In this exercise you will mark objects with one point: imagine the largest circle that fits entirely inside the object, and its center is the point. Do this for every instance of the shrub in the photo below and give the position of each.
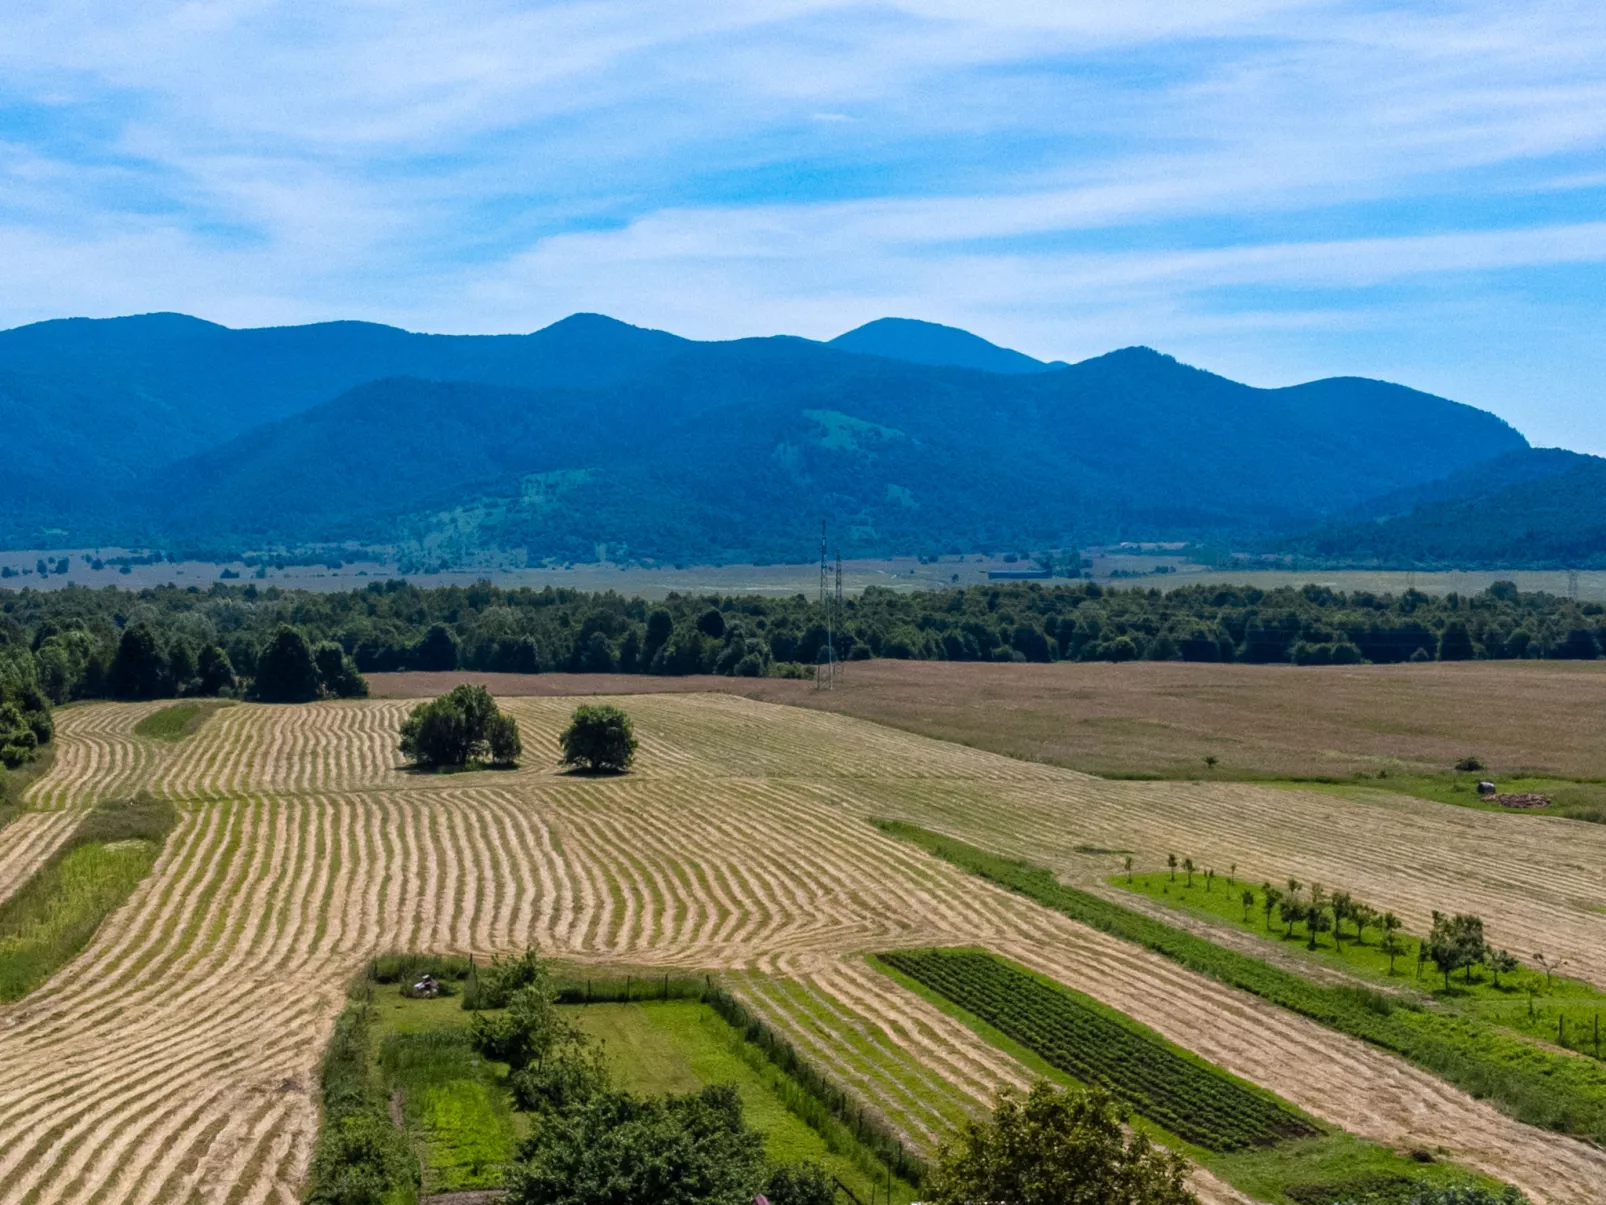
(599, 739)
(803, 1183)
(458, 728)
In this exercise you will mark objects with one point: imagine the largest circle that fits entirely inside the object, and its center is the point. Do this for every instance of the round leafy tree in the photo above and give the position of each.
(599, 740)
(1055, 1146)
(458, 728)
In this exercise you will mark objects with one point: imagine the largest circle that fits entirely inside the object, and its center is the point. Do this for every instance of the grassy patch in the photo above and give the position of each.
(455, 1106)
(1545, 1088)
(178, 721)
(55, 913)
(1546, 1007)
(1283, 1172)
(682, 1045)
(14, 784)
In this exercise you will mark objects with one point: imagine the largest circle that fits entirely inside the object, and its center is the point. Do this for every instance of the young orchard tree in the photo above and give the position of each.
(1187, 865)
(1128, 869)
(1391, 942)
(1343, 909)
(1272, 897)
(1247, 898)
(1501, 962)
(1317, 920)
(1456, 942)
(1291, 912)
(1171, 861)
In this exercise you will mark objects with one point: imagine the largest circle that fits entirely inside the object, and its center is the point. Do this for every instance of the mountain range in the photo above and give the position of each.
(594, 438)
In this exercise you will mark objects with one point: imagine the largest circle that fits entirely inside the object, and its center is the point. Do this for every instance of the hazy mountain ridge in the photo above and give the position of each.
(1543, 508)
(593, 432)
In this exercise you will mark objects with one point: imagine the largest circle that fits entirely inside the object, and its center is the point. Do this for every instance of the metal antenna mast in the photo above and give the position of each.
(840, 612)
(825, 671)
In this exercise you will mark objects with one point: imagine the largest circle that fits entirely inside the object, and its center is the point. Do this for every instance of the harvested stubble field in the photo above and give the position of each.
(1164, 718)
(175, 1059)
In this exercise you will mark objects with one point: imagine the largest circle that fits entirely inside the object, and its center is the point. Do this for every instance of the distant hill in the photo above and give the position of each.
(928, 343)
(1540, 508)
(166, 431)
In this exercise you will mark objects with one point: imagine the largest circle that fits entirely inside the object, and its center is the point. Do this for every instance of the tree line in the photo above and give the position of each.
(395, 625)
(286, 645)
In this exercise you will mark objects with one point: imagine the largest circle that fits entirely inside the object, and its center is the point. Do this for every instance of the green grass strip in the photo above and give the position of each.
(176, 722)
(53, 916)
(1187, 1096)
(1537, 1086)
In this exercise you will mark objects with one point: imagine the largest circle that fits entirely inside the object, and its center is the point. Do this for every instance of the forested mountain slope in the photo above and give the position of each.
(1544, 507)
(165, 430)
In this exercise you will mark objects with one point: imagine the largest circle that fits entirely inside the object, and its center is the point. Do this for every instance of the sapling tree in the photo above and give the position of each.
(1551, 965)
(1291, 912)
(1501, 962)
(1171, 861)
(1128, 870)
(1272, 896)
(1210, 880)
(1187, 865)
(1248, 899)
(1391, 942)
(1317, 920)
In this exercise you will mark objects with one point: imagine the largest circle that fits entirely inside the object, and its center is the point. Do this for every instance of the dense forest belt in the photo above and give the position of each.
(1551, 1090)
(178, 1052)
(191, 641)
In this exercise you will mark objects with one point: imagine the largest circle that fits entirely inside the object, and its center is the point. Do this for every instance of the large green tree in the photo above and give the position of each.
(461, 726)
(1056, 1148)
(286, 671)
(600, 739)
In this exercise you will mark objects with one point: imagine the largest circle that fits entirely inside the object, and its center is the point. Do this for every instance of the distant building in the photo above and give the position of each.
(1019, 575)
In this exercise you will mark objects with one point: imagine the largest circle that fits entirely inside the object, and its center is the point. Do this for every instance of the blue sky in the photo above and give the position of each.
(1273, 189)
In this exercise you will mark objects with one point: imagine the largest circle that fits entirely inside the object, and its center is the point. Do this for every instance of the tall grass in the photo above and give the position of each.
(57, 911)
(452, 1102)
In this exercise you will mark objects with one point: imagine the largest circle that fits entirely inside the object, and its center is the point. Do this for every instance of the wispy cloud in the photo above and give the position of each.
(1275, 187)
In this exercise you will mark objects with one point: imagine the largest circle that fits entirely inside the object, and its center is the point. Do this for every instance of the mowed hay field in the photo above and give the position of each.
(175, 1059)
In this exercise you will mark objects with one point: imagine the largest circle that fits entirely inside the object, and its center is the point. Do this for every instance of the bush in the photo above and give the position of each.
(458, 728)
(599, 739)
(804, 1183)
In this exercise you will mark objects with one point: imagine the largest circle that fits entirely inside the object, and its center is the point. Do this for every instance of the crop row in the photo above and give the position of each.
(1190, 1098)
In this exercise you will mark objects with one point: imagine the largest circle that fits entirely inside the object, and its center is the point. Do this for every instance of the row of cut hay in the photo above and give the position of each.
(97, 756)
(28, 841)
(178, 1049)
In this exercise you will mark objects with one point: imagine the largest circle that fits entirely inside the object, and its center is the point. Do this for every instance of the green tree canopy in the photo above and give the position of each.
(1056, 1148)
(140, 669)
(459, 727)
(600, 739)
(286, 671)
(621, 1149)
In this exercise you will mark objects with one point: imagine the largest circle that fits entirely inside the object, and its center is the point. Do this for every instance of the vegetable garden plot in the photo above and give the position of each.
(1190, 1098)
